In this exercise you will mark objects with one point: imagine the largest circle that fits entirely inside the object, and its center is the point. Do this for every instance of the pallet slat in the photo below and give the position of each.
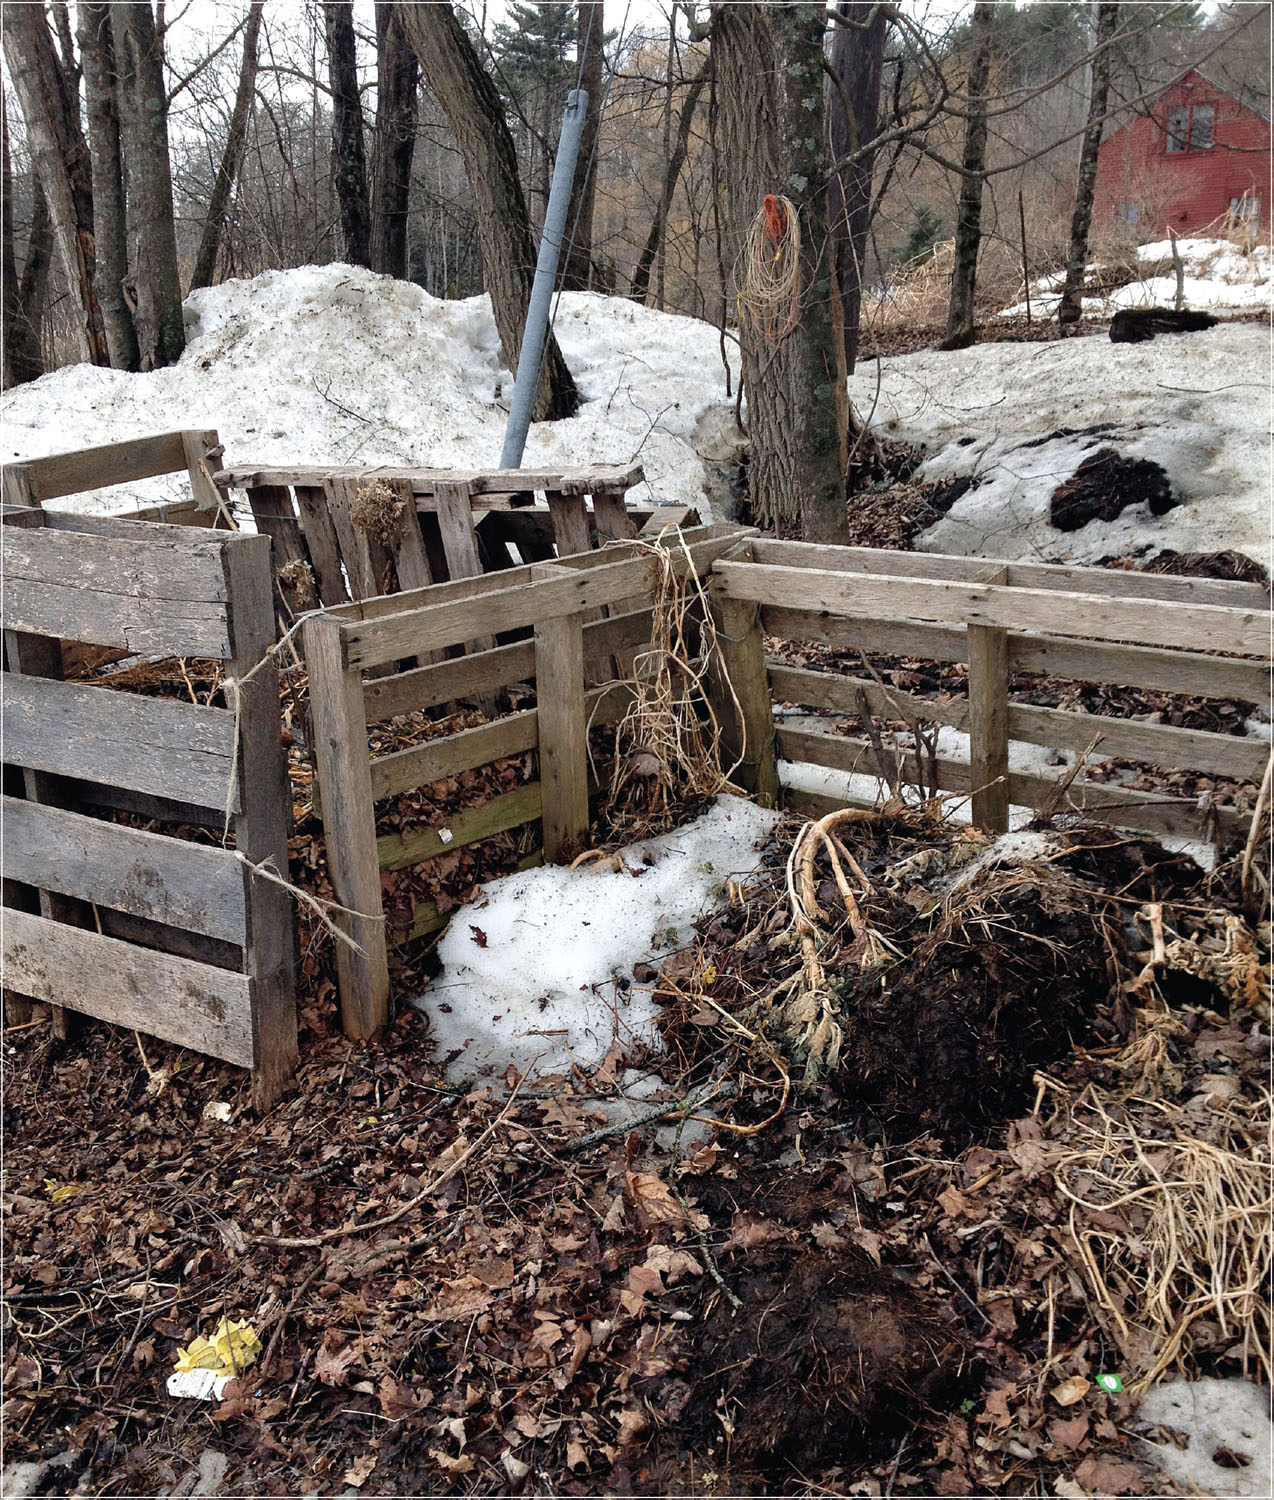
(1137, 621)
(203, 1008)
(148, 595)
(155, 745)
(113, 463)
(397, 851)
(162, 879)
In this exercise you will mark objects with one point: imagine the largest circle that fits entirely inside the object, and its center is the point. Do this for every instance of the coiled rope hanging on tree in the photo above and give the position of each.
(768, 270)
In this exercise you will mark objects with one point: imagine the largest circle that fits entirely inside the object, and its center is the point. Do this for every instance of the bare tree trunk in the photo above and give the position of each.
(591, 33)
(154, 283)
(22, 360)
(219, 202)
(476, 117)
(968, 236)
(60, 157)
(769, 64)
(34, 285)
(1070, 307)
(853, 104)
(349, 167)
(665, 200)
(676, 161)
(101, 86)
(397, 75)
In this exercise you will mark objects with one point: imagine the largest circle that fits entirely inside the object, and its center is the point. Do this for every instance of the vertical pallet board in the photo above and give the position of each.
(349, 825)
(320, 538)
(563, 732)
(989, 720)
(742, 705)
(262, 827)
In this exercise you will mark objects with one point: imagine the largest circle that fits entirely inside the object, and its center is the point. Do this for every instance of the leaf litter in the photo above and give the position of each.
(981, 1128)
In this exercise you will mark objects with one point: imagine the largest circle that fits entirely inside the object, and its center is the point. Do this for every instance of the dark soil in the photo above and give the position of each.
(1138, 325)
(1105, 485)
(1235, 566)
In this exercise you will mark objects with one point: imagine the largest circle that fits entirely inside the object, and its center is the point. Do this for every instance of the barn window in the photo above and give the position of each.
(1129, 213)
(1246, 209)
(1190, 128)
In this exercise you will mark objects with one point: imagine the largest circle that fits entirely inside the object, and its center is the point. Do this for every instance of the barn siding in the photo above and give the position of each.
(1189, 189)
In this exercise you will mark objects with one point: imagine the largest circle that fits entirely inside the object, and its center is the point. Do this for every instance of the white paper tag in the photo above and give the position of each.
(198, 1385)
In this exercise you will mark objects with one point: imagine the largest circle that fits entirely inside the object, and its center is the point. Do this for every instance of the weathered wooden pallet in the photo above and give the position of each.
(180, 940)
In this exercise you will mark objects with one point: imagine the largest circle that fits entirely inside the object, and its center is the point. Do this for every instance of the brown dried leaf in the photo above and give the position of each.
(1069, 1432)
(1073, 1388)
(748, 1229)
(1104, 1474)
(330, 1364)
(360, 1470)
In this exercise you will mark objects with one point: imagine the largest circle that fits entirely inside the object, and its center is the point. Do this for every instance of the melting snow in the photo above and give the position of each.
(551, 973)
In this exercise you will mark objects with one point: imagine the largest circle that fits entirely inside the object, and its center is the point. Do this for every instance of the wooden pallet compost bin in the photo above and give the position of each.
(585, 611)
(1195, 636)
(134, 925)
(1179, 635)
(358, 532)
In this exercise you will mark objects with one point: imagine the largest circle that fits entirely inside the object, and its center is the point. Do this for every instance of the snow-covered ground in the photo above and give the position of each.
(540, 965)
(1199, 404)
(1218, 277)
(332, 364)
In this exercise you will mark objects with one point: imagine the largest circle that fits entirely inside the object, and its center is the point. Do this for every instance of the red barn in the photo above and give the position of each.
(1195, 156)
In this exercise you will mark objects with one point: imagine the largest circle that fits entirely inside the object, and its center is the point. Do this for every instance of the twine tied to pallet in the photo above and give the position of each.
(267, 869)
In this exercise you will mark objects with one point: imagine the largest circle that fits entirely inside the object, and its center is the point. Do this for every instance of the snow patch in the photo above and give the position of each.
(1197, 403)
(551, 973)
(1226, 1417)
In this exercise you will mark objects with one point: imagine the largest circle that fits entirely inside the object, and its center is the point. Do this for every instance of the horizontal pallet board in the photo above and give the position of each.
(114, 463)
(1187, 672)
(1061, 729)
(1145, 811)
(191, 1004)
(160, 746)
(487, 671)
(1116, 583)
(1141, 622)
(577, 481)
(147, 594)
(514, 735)
(555, 591)
(397, 851)
(145, 874)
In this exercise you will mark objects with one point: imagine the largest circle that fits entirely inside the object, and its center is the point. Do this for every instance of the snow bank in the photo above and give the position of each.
(1199, 404)
(332, 364)
(541, 963)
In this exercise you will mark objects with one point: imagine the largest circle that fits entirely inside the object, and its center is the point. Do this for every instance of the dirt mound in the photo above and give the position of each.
(1230, 565)
(1105, 485)
(1138, 325)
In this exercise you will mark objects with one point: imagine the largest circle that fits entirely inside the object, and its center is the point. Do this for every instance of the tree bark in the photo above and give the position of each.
(60, 157)
(591, 24)
(349, 167)
(397, 75)
(769, 68)
(474, 113)
(640, 284)
(22, 358)
(34, 285)
(236, 136)
(154, 284)
(101, 86)
(968, 236)
(1070, 307)
(857, 64)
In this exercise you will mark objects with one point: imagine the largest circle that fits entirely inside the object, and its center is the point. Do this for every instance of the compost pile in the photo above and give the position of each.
(902, 1226)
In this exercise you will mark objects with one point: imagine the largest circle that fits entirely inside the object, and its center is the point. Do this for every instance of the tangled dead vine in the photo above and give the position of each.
(669, 751)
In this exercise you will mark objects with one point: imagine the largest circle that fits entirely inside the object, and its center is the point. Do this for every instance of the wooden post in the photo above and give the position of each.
(272, 511)
(349, 825)
(320, 538)
(454, 510)
(261, 828)
(611, 515)
(989, 720)
(743, 707)
(559, 689)
(202, 450)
